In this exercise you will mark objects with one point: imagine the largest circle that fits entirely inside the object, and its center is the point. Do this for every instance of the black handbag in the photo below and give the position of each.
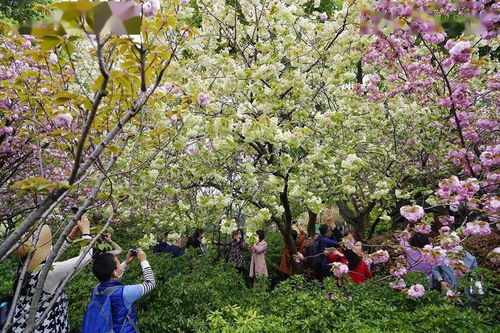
(5, 305)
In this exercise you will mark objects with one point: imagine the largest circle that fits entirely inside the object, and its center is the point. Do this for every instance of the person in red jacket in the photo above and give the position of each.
(358, 270)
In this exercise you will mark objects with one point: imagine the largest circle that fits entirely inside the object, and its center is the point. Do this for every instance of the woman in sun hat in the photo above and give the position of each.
(57, 319)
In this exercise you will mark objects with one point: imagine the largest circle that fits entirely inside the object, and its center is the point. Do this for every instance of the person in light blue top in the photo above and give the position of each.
(446, 278)
(108, 271)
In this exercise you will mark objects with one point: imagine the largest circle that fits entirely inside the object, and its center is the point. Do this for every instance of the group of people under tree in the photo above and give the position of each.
(320, 252)
(323, 249)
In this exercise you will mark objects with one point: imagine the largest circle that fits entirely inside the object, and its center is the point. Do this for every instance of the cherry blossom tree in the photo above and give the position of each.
(77, 102)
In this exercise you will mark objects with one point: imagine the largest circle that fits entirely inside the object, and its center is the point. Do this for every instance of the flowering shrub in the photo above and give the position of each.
(481, 247)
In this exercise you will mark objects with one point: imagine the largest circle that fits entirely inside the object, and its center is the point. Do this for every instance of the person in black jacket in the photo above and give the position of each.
(164, 247)
(195, 241)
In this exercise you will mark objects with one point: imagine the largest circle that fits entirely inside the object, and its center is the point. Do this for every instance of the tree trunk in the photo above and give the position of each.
(286, 229)
(359, 220)
(311, 223)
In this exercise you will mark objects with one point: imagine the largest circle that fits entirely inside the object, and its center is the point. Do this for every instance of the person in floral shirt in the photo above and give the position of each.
(237, 244)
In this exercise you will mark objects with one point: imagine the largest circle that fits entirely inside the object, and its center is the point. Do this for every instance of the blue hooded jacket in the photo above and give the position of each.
(118, 309)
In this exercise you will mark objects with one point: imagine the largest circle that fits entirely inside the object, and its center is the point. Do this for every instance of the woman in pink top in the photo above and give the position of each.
(258, 264)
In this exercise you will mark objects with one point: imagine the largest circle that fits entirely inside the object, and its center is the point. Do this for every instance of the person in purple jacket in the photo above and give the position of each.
(414, 257)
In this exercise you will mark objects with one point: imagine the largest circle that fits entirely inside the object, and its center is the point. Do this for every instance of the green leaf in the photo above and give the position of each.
(48, 43)
(63, 97)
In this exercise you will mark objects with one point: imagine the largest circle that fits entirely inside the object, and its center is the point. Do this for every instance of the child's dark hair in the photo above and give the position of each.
(103, 266)
(261, 234)
(419, 240)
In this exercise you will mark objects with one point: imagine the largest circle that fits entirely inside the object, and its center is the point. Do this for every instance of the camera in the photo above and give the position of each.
(133, 252)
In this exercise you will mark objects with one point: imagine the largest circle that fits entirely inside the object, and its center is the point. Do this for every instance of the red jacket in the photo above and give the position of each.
(359, 274)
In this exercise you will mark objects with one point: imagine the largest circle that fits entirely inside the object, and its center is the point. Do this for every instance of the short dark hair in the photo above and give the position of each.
(295, 234)
(419, 240)
(103, 266)
(323, 228)
(261, 234)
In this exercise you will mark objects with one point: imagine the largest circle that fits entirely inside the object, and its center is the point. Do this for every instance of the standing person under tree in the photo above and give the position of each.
(258, 265)
(235, 255)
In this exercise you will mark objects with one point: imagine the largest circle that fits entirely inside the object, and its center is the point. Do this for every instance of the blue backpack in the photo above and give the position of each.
(98, 318)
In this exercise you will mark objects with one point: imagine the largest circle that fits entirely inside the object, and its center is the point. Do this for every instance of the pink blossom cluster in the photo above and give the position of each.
(461, 98)
(494, 82)
(459, 267)
(150, 7)
(203, 99)
(449, 241)
(450, 294)
(491, 206)
(446, 219)
(402, 236)
(490, 157)
(339, 269)
(323, 16)
(412, 213)
(455, 192)
(347, 243)
(416, 291)
(399, 284)
(459, 51)
(398, 270)
(63, 119)
(433, 254)
(469, 71)
(367, 260)
(380, 256)
(444, 230)
(422, 228)
(494, 256)
(477, 228)
(53, 59)
(171, 88)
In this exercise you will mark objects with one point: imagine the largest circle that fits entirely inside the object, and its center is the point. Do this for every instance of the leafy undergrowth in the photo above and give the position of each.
(198, 296)
(204, 296)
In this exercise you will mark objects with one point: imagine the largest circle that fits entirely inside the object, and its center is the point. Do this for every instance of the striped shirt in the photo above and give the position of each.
(131, 293)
